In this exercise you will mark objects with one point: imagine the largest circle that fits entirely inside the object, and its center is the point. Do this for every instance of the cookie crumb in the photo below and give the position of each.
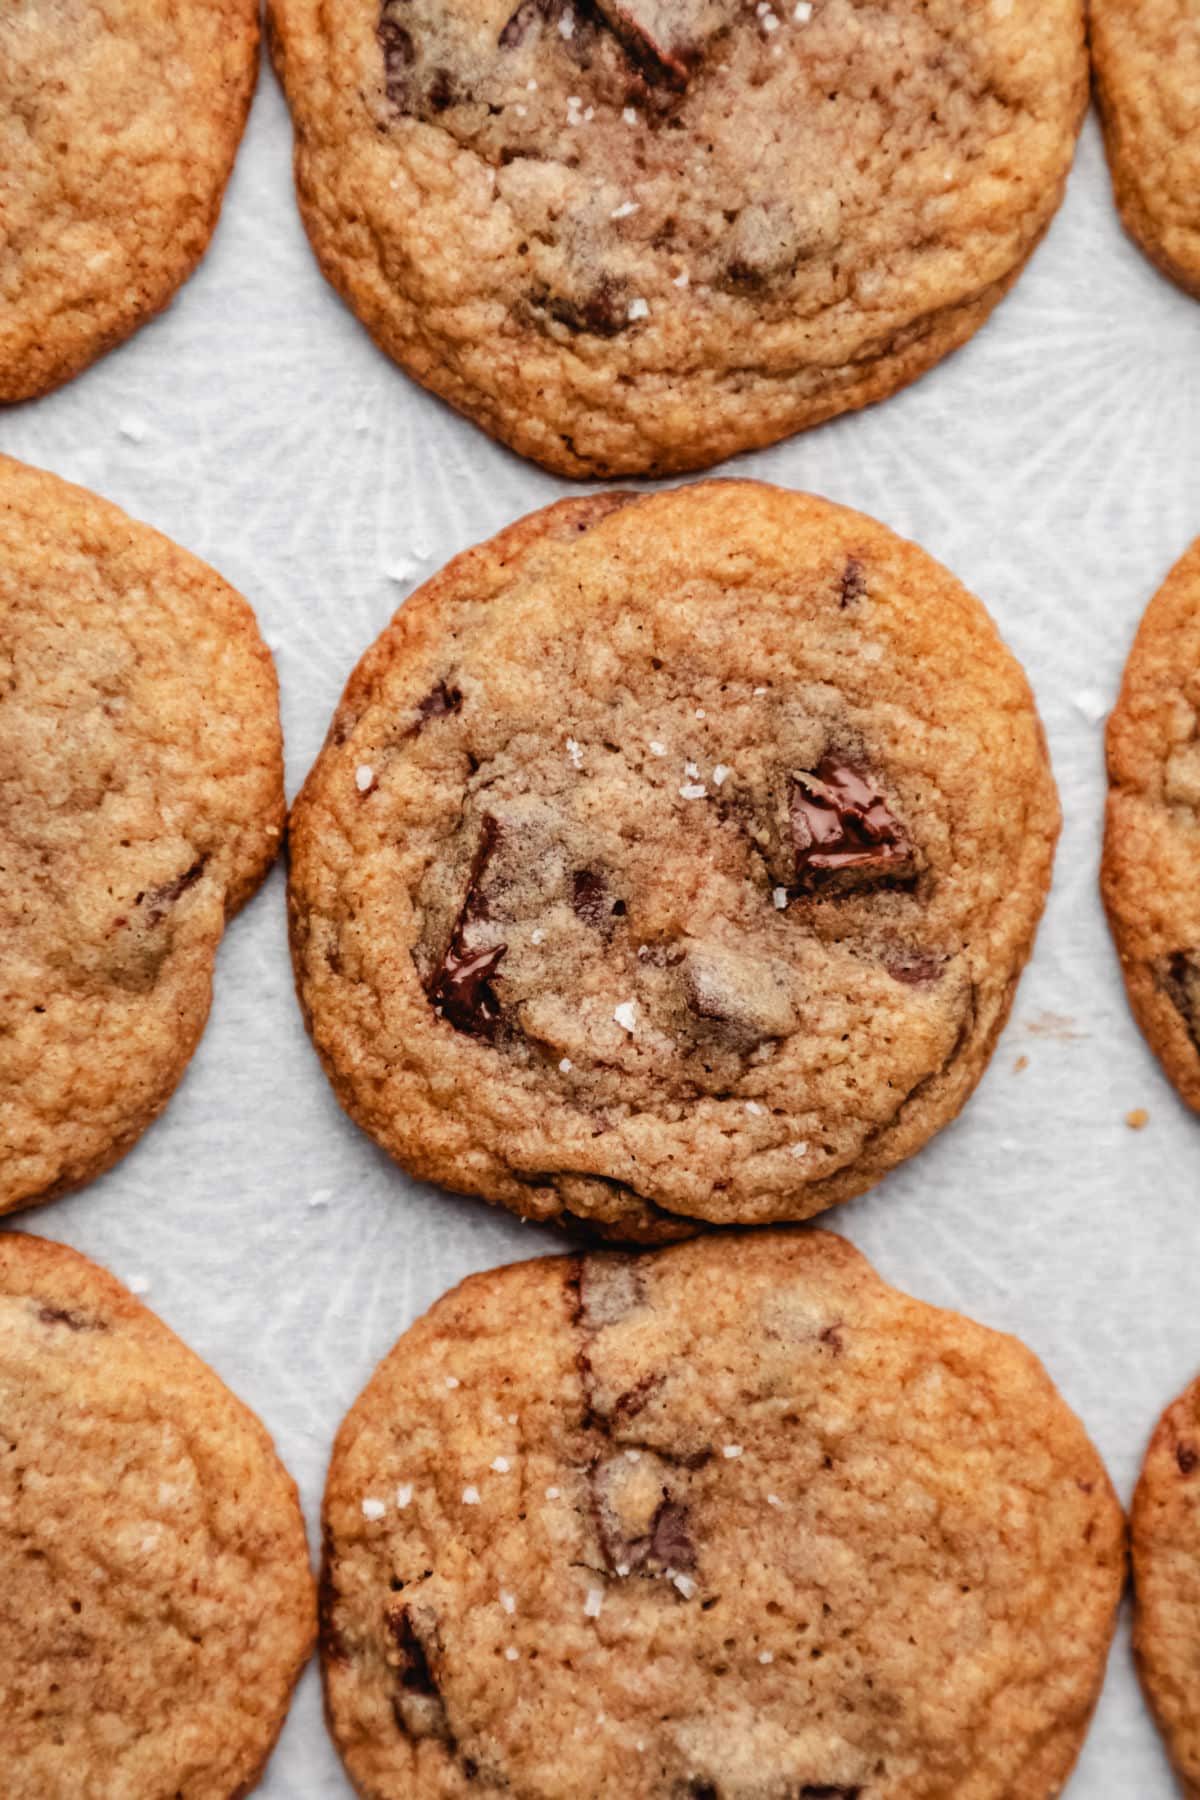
(1022, 1062)
(1138, 1119)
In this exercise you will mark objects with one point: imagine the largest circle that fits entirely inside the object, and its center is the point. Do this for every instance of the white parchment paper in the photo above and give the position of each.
(1053, 464)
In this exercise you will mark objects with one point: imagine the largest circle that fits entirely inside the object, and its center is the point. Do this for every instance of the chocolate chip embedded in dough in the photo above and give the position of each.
(844, 834)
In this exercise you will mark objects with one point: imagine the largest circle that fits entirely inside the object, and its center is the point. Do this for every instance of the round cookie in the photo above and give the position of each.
(1150, 877)
(1146, 59)
(733, 1519)
(671, 860)
(157, 1604)
(1165, 1534)
(118, 127)
(636, 236)
(141, 802)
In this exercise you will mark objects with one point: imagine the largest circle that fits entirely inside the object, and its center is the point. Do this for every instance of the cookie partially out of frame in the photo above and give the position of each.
(635, 236)
(1151, 870)
(141, 802)
(734, 1520)
(156, 1600)
(118, 127)
(1165, 1526)
(672, 860)
(1146, 57)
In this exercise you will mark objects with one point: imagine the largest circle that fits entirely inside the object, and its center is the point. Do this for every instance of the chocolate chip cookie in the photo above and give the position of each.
(157, 1603)
(1165, 1522)
(726, 1521)
(118, 127)
(635, 236)
(671, 860)
(141, 802)
(1151, 871)
(1146, 59)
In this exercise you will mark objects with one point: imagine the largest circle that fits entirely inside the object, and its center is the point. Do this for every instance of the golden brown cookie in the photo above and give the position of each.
(733, 1519)
(1165, 1525)
(635, 236)
(118, 127)
(672, 860)
(141, 802)
(1146, 58)
(156, 1600)
(1151, 871)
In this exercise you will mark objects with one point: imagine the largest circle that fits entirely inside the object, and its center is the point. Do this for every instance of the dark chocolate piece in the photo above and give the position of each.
(1178, 976)
(159, 901)
(462, 989)
(844, 834)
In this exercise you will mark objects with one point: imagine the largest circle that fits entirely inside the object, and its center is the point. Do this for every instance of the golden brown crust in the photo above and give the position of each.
(825, 207)
(157, 1604)
(632, 694)
(1150, 875)
(118, 128)
(735, 1518)
(141, 804)
(1165, 1534)
(1146, 58)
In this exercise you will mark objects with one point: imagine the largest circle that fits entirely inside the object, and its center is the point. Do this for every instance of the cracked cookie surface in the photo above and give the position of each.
(1150, 877)
(157, 1603)
(671, 860)
(141, 803)
(729, 1521)
(1165, 1533)
(118, 127)
(632, 236)
(1146, 59)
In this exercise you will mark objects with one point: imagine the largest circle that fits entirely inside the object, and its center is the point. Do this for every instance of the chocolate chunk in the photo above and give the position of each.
(915, 968)
(521, 23)
(844, 834)
(1187, 1456)
(439, 701)
(592, 901)
(666, 38)
(461, 988)
(74, 1321)
(399, 56)
(832, 1336)
(159, 901)
(414, 1671)
(854, 582)
(1178, 976)
(642, 1528)
(608, 1288)
(602, 312)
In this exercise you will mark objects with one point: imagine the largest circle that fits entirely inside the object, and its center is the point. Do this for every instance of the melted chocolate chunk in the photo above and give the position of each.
(439, 701)
(414, 1671)
(854, 582)
(461, 988)
(633, 1544)
(669, 1540)
(1187, 1456)
(844, 834)
(159, 901)
(399, 56)
(74, 1321)
(914, 968)
(521, 23)
(592, 901)
(1178, 976)
(602, 312)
